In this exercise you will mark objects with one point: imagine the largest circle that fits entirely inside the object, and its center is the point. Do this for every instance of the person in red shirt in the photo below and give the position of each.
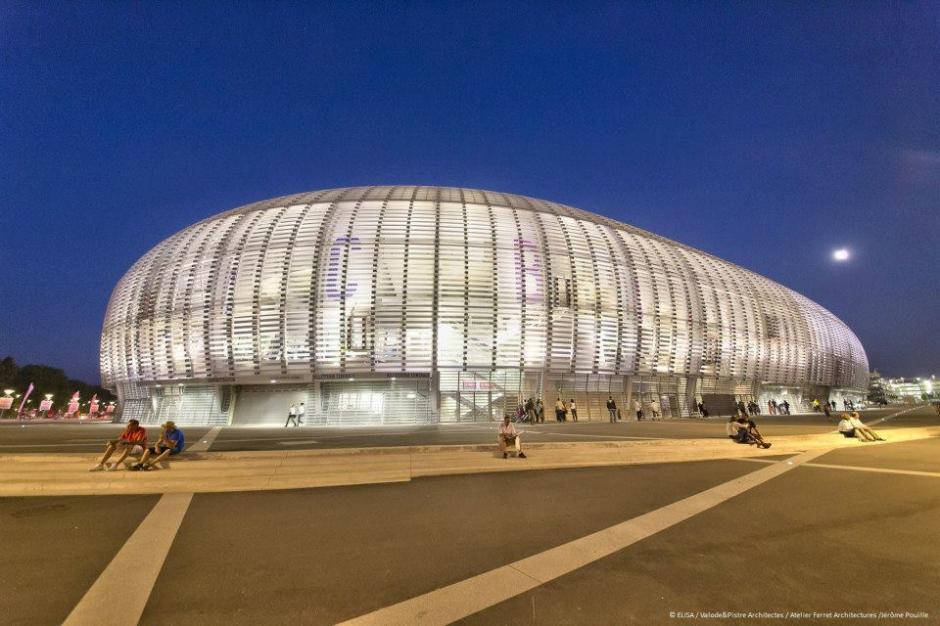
(132, 441)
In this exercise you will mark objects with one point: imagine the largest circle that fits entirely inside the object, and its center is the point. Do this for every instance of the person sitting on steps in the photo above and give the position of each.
(171, 442)
(132, 441)
(509, 436)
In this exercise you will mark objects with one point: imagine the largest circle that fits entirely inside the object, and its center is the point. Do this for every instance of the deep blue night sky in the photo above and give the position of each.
(765, 133)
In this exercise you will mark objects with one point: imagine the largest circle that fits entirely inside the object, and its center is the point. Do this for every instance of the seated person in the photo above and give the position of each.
(171, 442)
(845, 426)
(755, 435)
(731, 428)
(747, 432)
(509, 436)
(861, 429)
(132, 441)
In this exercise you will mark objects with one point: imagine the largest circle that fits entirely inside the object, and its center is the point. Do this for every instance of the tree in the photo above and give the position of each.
(47, 380)
(8, 373)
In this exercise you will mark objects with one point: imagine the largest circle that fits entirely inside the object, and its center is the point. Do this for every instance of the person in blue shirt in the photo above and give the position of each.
(171, 443)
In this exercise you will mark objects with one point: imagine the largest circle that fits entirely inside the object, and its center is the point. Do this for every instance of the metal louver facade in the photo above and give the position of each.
(361, 300)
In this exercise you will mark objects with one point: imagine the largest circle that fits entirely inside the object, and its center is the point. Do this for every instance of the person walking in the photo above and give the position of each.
(702, 410)
(540, 410)
(573, 408)
(655, 408)
(530, 410)
(612, 409)
(638, 407)
(300, 414)
(560, 410)
(291, 416)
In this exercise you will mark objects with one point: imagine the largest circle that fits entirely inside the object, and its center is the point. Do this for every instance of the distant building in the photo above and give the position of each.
(912, 389)
(409, 305)
(876, 388)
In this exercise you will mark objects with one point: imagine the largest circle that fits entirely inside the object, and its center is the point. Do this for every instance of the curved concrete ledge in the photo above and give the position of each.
(206, 472)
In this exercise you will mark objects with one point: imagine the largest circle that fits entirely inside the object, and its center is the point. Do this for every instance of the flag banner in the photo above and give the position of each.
(29, 390)
(73, 404)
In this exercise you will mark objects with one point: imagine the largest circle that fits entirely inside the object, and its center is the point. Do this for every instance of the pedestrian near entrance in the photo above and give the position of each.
(638, 407)
(655, 408)
(300, 414)
(530, 410)
(291, 416)
(560, 410)
(509, 436)
(612, 409)
(540, 410)
(573, 408)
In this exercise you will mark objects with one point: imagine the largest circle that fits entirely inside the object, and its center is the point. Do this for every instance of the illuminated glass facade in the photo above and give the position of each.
(425, 304)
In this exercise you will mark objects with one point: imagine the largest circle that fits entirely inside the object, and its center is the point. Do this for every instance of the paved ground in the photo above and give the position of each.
(90, 437)
(853, 530)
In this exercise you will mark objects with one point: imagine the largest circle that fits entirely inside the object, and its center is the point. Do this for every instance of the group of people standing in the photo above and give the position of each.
(533, 411)
(778, 408)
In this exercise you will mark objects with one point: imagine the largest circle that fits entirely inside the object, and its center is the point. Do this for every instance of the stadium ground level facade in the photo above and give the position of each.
(454, 397)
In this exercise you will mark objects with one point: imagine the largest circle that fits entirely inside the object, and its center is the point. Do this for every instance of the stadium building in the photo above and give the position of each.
(410, 305)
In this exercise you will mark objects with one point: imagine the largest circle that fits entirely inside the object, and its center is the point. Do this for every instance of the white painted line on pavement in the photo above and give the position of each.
(49, 445)
(203, 444)
(456, 601)
(121, 592)
(601, 436)
(298, 442)
(877, 470)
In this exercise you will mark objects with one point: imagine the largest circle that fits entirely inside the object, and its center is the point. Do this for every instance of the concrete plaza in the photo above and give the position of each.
(602, 524)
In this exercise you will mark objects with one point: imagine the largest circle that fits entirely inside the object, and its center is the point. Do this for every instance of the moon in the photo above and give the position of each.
(841, 255)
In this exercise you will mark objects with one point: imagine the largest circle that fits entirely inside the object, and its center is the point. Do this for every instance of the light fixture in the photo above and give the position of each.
(8, 391)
